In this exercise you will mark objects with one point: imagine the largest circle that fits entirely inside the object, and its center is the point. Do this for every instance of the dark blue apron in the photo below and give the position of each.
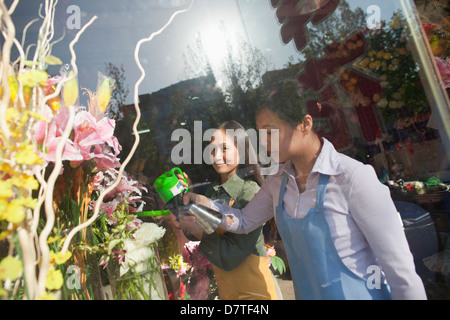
(316, 268)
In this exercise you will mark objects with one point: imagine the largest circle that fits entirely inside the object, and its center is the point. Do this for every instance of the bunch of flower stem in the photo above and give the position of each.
(137, 285)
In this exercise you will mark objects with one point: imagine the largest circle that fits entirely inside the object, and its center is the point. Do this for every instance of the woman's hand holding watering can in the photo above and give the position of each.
(184, 178)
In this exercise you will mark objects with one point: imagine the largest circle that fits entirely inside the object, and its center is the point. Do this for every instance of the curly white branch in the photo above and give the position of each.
(13, 7)
(28, 260)
(25, 29)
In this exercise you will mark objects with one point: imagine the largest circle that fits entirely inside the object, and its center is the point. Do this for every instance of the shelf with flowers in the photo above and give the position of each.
(389, 60)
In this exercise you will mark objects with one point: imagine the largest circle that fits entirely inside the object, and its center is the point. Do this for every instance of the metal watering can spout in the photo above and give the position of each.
(171, 191)
(207, 218)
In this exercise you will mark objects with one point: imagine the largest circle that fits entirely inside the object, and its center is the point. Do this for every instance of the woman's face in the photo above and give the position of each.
(282, 149)
(224, 153)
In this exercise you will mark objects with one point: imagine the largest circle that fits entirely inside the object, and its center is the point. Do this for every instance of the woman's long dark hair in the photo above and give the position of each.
(246, 169)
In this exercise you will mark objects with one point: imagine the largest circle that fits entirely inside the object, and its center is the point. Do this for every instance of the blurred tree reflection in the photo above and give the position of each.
(120, 92)
(239, 74)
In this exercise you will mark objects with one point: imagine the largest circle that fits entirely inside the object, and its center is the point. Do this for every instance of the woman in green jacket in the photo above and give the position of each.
(239, 261)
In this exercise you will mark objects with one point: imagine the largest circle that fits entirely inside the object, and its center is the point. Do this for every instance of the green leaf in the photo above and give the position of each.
(278, 264)
(52, 60)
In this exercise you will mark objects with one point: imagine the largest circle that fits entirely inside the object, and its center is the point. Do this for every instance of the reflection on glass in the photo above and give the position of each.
(378, 76)
(216, 61)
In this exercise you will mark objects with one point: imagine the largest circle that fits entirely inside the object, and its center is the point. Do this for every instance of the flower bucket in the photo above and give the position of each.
(142, 281)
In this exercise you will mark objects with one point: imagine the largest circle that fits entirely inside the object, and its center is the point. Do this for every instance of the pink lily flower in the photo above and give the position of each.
(48, 134)
(96, 140)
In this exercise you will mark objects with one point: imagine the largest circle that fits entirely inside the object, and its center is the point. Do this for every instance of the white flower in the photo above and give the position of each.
(148, 233)
(393, 104)
(397, 95)
(135, 253)
(419, 185)
(138, 249)
(382, 103)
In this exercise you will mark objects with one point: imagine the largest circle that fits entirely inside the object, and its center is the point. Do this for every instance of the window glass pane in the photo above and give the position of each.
(373, 74)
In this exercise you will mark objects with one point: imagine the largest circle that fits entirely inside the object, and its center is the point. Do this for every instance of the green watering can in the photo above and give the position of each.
(171, 191)
(168, 186)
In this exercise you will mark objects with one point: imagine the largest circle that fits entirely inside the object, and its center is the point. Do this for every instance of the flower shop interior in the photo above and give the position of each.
(93, 93)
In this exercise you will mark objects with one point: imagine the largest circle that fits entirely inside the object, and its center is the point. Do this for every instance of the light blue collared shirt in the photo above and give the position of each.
(362, 217)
